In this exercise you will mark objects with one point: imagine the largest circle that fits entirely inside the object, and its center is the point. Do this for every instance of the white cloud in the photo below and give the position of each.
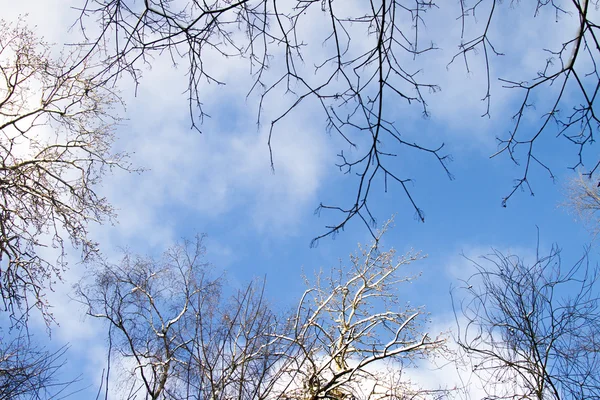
(222, 170)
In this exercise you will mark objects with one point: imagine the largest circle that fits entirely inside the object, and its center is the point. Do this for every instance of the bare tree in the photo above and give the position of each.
(167, 318)
(583, 198)
(531, 330)
(362, 71)
(56, 125)
(145, 303)
(30, 372)
(355, 337)
(178, 337)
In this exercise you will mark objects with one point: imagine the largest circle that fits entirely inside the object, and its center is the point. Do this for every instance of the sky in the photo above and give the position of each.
(260, 222)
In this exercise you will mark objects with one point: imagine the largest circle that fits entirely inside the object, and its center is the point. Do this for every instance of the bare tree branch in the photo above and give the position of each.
(354, 84)
(30, 372)
(361, 73)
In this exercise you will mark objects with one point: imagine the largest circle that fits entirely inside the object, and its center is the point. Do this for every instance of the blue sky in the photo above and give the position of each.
(260, 223)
